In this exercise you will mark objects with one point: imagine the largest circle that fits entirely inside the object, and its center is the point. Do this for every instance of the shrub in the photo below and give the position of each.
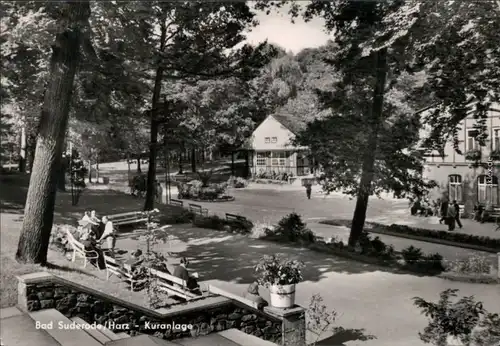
(211, 222)
(472, 265)
(412, 254)
(261, 229)
(431, 263)
(237, 182)
(240, 226)
(292, 228)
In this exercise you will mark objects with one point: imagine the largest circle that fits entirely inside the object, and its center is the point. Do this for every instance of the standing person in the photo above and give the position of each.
(159, 191)
(457, 216)
(308, 186)
(108, 235)
(451, 217)
(443, 210)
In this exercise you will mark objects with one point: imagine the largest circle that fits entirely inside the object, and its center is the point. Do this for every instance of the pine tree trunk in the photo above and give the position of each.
(181, 168)
(193, 160)
(153, 144)
(22, 150)
(97, 171)
(367, 170)
(39, 210)
(90, 171)
(31, 147)
(139, 170)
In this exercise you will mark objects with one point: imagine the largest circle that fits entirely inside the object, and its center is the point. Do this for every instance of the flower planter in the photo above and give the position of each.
(282, 296)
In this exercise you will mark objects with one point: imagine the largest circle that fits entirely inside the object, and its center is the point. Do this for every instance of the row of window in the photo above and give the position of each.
(271, 140)
(274, 158)
(487, 188)
(473, 143)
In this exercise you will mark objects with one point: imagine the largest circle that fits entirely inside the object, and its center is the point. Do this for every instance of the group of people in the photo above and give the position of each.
(94, 232)
(449, 213)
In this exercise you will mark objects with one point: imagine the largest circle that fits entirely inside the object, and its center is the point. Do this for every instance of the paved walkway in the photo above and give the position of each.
(365, 296)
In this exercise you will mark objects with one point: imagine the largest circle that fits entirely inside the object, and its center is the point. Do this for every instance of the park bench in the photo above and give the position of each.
(176, 202)
(127, 218)
(173, 286)
(234, 217)
(124, 272)
(198, 209)
(79, 250)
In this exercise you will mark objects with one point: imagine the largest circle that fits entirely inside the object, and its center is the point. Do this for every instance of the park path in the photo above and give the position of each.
(365, 296)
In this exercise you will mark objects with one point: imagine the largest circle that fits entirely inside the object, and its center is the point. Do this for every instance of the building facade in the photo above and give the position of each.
(272, 152)
(458, 175)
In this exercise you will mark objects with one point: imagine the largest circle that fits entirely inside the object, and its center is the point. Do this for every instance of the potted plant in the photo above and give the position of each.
(280, 275)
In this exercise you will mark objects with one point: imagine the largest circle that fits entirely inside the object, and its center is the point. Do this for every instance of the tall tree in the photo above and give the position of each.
(454, 43)
(71, 19)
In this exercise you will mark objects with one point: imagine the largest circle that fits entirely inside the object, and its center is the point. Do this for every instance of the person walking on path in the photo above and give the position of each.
(308, 186)
(443, 210)
(158, 192)
(451, 217)
(457, 216)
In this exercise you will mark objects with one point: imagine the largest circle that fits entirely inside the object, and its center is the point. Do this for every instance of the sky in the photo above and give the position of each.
(277, 29)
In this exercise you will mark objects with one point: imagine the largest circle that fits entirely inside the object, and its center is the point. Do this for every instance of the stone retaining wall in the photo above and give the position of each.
(200, 317)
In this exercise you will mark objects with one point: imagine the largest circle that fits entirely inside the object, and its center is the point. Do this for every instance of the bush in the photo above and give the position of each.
(237, 182)
(412, 254)
(472, 265)
(217, 223)
(196, 191)
(456, 237)
(292, 228)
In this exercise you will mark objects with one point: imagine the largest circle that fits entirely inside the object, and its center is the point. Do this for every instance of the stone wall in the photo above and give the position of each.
(201, 317)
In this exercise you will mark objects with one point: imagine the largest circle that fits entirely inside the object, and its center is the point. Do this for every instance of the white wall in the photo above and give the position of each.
(271, 128)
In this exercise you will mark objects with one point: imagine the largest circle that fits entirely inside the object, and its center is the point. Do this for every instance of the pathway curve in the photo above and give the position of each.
(365, 296)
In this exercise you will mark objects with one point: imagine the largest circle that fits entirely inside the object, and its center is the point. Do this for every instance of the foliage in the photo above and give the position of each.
(220, 224)
(195, 190)
(462, 238)
(78, 171)
(292, 228)
(278, 270)
(417, 261)
(320, 320)
(237, 182)
(472, 265)
(412, 254)
(459, 319)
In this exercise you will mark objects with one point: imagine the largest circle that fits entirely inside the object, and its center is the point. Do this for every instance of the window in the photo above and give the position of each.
(472, 143)
(455, 187)
(279, 158)
(262, 158)
(274, 140)
(496, 139)
(487, 190)
(268, 140)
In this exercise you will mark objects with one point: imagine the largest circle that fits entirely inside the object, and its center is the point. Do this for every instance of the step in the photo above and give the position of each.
(142, 340)
(9, 312)
(95, 333)
(20, 330)
(244, 339)
(50, 319)
(210, 339)
(122, 336)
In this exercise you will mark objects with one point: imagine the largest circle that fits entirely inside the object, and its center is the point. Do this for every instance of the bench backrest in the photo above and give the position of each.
(130, 215)
(164, 276)
(115, 267)
(176, 202)
(195, 206)
(75, 243)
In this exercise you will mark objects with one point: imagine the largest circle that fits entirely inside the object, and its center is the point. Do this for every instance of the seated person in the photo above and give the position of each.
(252, 294)
(139, 273)
(136, 258)
(108, 235)
(181, 272)
(479, 213)
(88, 239)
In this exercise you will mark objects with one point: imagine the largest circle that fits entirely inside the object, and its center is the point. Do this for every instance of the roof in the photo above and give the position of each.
(292, 123)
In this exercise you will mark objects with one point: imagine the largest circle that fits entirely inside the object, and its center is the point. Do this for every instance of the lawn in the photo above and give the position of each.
(14, 188)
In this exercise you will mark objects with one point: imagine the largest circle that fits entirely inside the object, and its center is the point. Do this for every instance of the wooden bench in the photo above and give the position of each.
(198, 209)
(176, 202)
(123, 271)
(79, 250)
(173, 286)
(234, 217)
(127, 218)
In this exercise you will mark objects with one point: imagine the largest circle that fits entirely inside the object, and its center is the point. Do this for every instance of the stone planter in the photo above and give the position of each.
(282, 296)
